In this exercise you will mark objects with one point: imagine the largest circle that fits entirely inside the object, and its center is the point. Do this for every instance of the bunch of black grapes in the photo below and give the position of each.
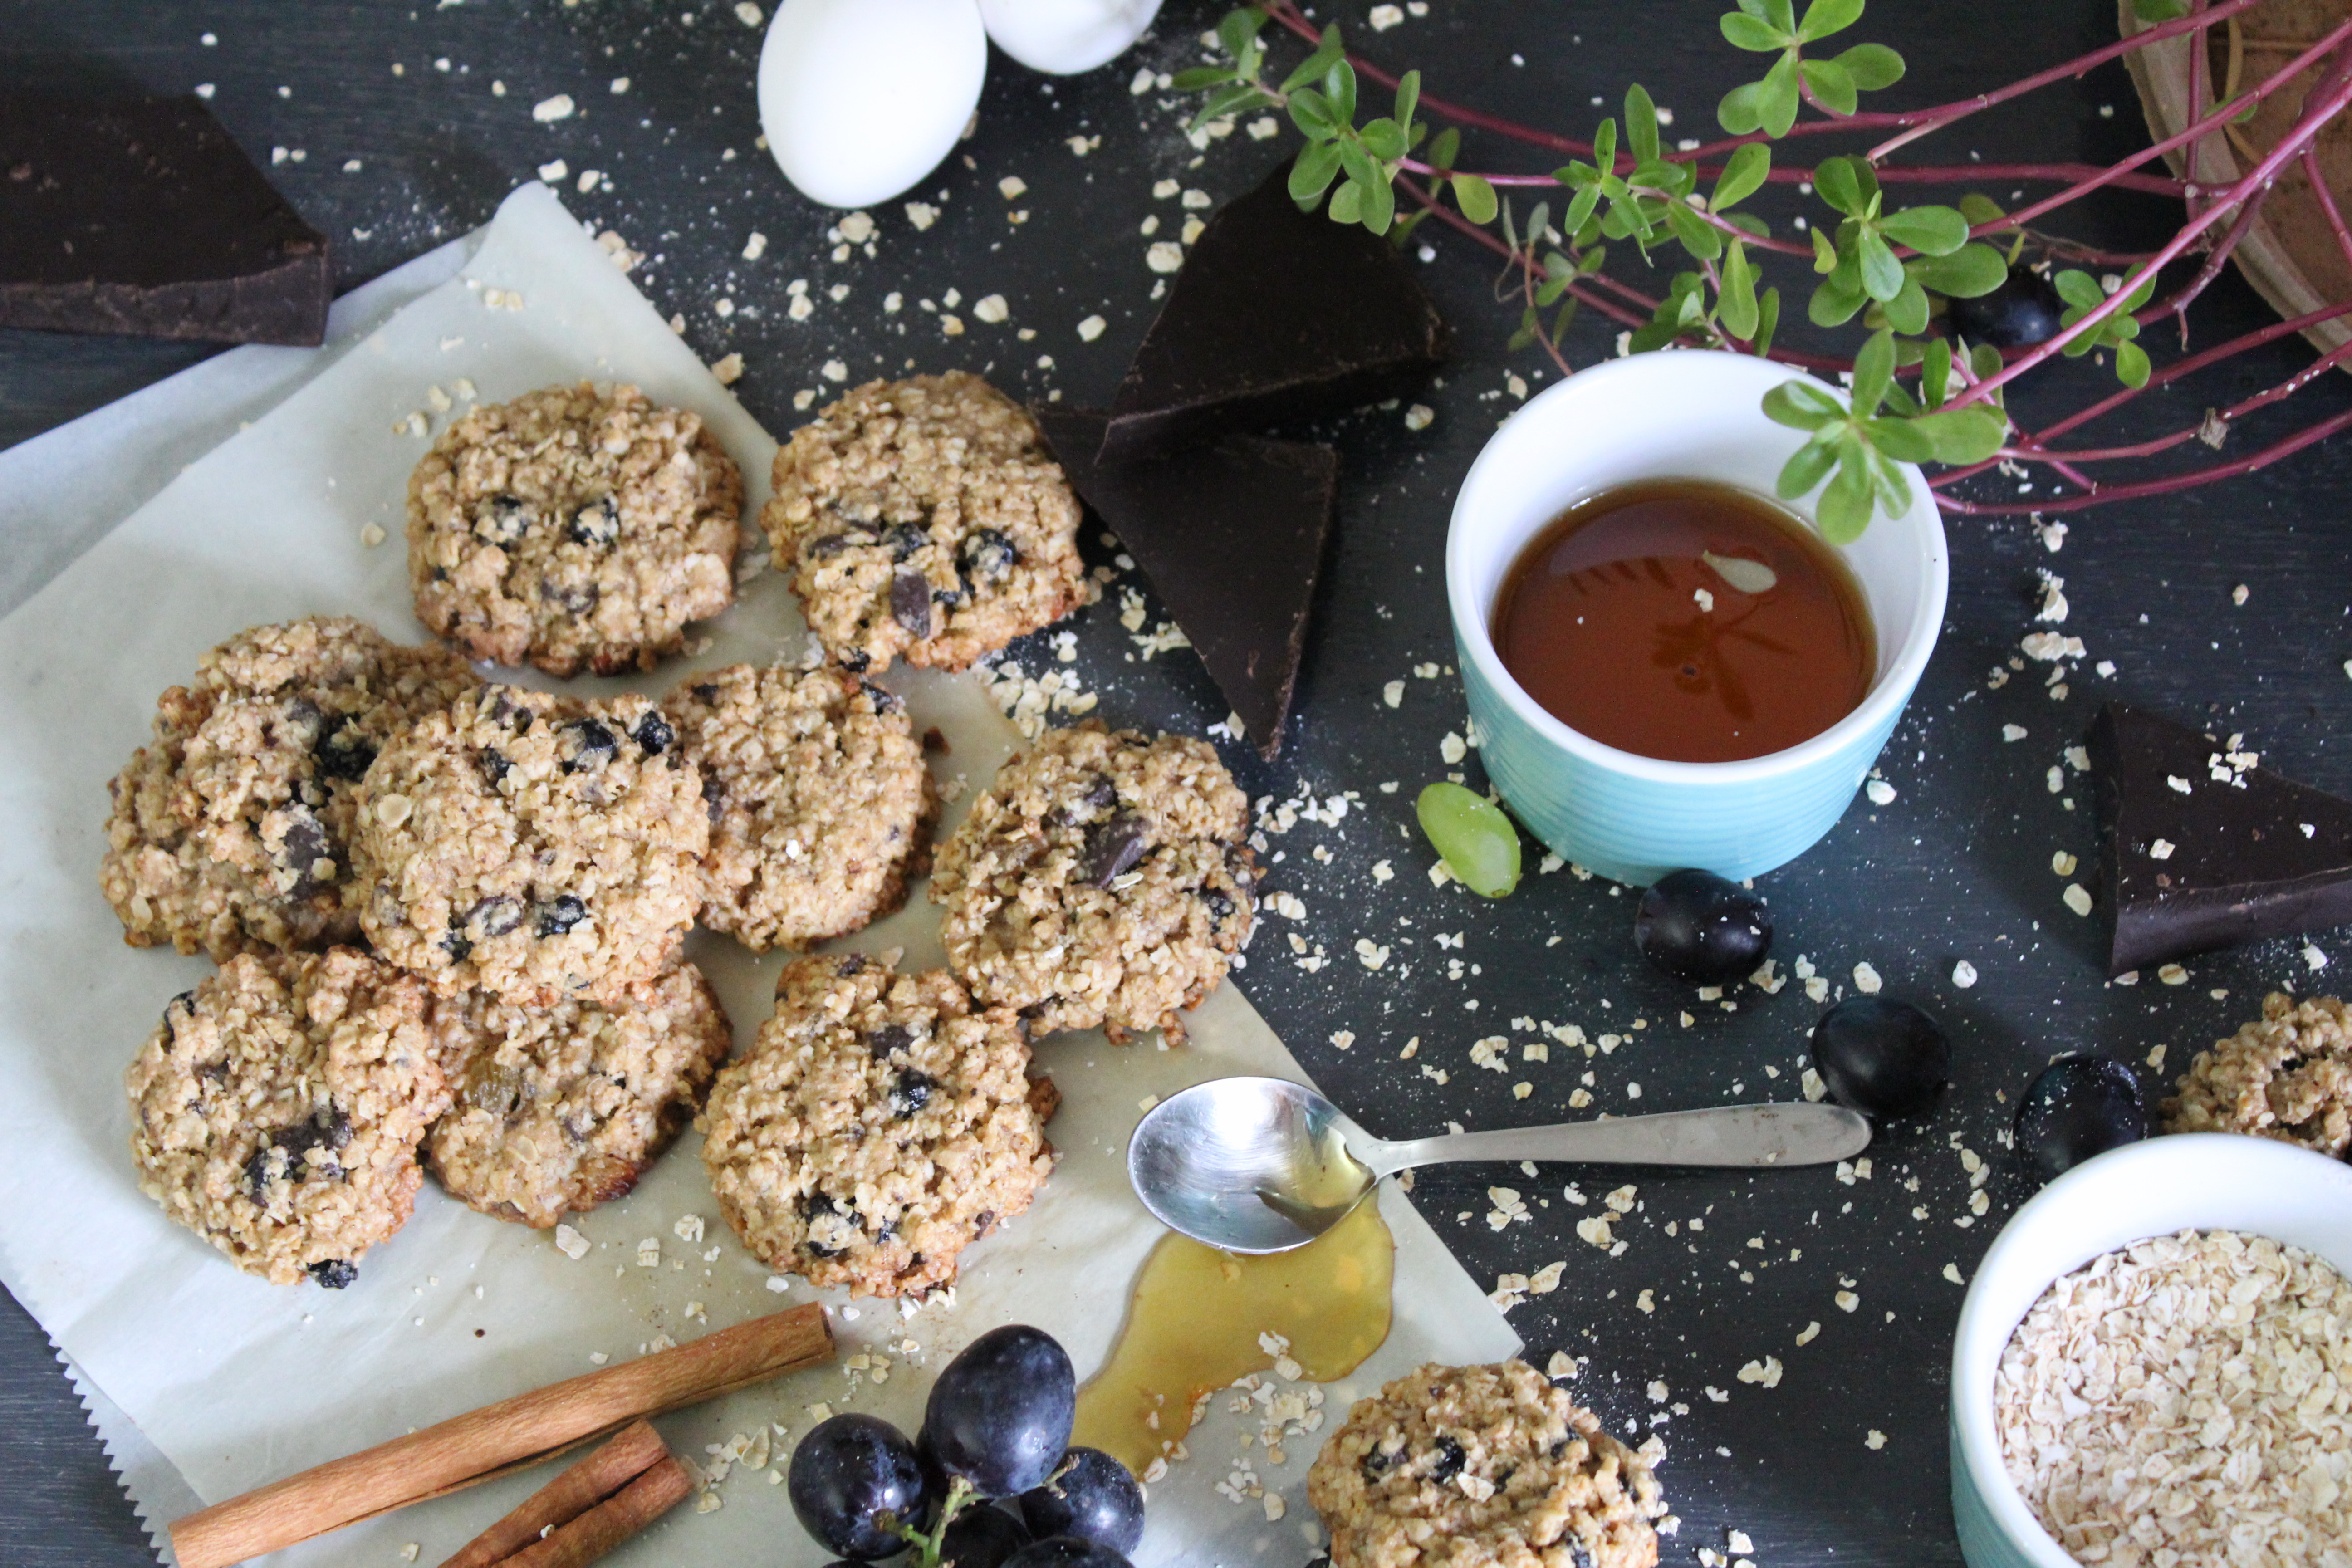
(996, 1430)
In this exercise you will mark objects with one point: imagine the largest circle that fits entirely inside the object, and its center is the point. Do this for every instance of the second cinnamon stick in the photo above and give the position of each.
(636, 1450)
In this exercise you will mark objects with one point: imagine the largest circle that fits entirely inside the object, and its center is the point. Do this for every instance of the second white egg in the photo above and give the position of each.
(1063, 37)
(861, 99)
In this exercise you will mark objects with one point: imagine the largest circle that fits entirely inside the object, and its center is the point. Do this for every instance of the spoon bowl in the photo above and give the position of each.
(1262, 1165)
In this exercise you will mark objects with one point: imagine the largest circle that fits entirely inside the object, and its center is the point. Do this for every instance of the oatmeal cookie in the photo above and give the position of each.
(819, 803)
(1482, 1466)
(924, 519)
(230, 828)
(277, 1111)
(2287, 1076)
(880, 1126)
(574, 528)
(534, 847)
(1102, 879)
(560, 1108)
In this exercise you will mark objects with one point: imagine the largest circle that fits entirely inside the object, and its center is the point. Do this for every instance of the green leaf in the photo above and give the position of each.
(1312, 67)
(2155, 11)
(2079, 289)
(1781, 16)
(1357, 163)
(1882, 275)
(1834, 303)
(1802, 406)
(1604, 146)
(1749, 224)
(1741, 111)
(1403, 227)
(1408, 97)
(1239, 26)
(1900, 439)
(1200, 78)
(1339, 87)
(1931, 231)
(1311, 175)
(1972, 270)
(1984, 363)
(2131, 365)
(1383, 139)
(1908, 311)
(1736, 296)
(1311, 113)
(1743, 175)
(1806, 468)
(1475, 197)
(1825, 253)
(1347, 202)
(1742, 31)
(1874, 372)
(1831, 85)
(1768, 322)
(1823, 17)
(1561, 322)
(1981, 209)
(1580, 210)
(1844, 510)
(1780, 95)
(1696, 238)
(1445, 149)
(1887, 483)
(1870, 65)
(1525, 338)
(1640, 125)
(1840, 186)
(1967, 435)
(1936, 372)
(1229, 100)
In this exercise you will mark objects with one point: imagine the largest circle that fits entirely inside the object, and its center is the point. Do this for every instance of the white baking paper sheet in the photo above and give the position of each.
(212, 1382)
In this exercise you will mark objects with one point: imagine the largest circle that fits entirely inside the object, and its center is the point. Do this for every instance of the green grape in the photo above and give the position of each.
(1480, 845)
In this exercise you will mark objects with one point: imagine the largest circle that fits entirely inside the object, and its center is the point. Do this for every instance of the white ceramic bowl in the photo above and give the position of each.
(2201, 1181)
(1691, 415)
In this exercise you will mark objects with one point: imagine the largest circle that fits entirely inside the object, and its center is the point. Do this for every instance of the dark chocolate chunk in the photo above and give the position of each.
(503, 520)
(140, 214)
(597, 524)
(593, 745)
(496, 915)
(654, 734)
(1232, 536)
(343, 753)
(2224, 860)
(889, 1041)
(560, 914)
(910, 602)
(334, 1273)
(987, 556)
(1278, 315)
(911, 1093)
(1113, 847)
(1450, 1459)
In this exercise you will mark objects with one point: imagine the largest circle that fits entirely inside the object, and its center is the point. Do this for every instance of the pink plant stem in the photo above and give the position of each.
(2230, 414)
(2176, 371)
(2215, 259)
(2326, 202)
(2100, 495)
(2314, 119)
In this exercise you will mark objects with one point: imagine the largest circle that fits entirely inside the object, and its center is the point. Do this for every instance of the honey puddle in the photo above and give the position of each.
(1194, 1324)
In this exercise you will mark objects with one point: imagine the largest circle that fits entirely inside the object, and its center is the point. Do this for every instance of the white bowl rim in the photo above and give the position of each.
(1976, 1354)
(1887, 696)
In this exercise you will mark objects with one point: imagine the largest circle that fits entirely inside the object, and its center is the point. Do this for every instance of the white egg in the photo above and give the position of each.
(1063, 37)
(861, 99)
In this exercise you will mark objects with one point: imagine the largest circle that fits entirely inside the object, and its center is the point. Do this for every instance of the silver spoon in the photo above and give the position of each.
(1260, 1164)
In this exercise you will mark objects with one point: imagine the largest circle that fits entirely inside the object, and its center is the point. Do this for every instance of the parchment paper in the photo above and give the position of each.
(235, 1381)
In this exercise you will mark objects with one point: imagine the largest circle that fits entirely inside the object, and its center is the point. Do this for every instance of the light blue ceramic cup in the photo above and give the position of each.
(1680, 415)
(2193, 1181)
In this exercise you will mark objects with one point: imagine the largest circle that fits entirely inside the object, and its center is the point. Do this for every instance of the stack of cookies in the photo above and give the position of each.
(449, 912)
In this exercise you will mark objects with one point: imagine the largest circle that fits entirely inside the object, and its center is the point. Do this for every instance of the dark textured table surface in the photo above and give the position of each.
(404, 126)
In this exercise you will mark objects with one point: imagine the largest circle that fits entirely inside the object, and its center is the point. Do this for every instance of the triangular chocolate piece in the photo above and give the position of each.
(2201, 849)
(1278, 315)
(1232, 535)
(140, 214)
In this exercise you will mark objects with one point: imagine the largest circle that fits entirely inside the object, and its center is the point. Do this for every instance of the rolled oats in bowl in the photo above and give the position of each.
(2186, 1400)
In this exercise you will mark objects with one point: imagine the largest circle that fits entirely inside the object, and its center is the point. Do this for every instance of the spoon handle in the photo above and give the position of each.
(1781, 1134)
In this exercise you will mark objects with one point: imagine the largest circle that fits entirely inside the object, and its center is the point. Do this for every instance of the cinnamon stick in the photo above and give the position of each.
(498, 1438)
(603, 1473)
(611, 1522)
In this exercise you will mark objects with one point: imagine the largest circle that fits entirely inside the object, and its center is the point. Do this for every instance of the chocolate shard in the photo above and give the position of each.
(1278, 315)
(1232, 535)
(2200, 848)
(141, 216)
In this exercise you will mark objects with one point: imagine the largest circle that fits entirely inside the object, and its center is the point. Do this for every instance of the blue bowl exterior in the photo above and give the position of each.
(1983, 1542)
(1636, 830)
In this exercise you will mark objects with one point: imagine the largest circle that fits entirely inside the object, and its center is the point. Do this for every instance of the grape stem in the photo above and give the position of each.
(961, 1495)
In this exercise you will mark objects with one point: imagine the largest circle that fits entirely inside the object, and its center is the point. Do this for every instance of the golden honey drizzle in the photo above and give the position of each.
(1193, 1323)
